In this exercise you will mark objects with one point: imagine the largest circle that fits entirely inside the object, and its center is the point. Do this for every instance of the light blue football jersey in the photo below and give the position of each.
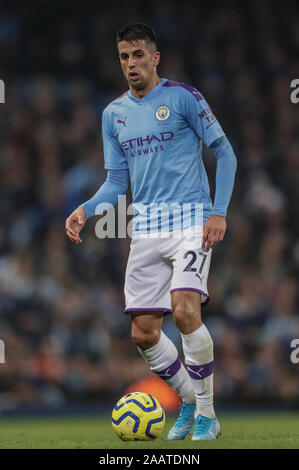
(159, 140)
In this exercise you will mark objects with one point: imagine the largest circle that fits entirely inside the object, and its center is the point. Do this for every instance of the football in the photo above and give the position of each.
(138, 416)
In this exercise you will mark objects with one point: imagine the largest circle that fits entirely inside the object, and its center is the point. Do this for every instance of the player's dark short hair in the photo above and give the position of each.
(135, 31)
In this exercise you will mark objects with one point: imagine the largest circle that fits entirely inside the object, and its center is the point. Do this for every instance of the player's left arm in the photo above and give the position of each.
(202, 120)
(215, 227)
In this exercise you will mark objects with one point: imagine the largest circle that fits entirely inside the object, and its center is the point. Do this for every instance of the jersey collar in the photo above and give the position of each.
(149, 94)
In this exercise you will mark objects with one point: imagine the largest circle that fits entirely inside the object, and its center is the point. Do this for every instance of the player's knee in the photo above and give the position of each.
(186, 317)
(145, 339)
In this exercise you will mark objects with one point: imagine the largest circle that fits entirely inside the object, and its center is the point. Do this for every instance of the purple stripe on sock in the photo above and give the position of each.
(170, 371)
(200, 372)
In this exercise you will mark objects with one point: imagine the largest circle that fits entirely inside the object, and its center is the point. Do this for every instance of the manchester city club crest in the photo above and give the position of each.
(162, 112)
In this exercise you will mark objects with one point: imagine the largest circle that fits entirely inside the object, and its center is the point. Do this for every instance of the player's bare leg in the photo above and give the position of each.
(186, 307)
(146, 328)
(198, 350)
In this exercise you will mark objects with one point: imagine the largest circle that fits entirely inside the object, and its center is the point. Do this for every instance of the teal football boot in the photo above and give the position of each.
(184, 423)
(205, 428)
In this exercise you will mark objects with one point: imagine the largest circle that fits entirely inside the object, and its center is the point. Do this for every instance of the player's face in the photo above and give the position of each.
(138, 61)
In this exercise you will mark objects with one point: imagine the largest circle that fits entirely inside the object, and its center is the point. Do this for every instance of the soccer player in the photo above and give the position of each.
(153, 134)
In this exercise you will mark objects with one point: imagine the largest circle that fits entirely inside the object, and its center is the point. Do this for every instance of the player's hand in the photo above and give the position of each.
(74, 224)
(213, 231)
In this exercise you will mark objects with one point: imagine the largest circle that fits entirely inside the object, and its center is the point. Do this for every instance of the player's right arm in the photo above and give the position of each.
(116, 182)
(74, 224)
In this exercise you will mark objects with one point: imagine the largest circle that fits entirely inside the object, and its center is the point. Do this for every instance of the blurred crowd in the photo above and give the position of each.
(67, 340)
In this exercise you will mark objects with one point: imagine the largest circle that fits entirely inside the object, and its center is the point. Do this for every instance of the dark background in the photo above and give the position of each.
(61, 305)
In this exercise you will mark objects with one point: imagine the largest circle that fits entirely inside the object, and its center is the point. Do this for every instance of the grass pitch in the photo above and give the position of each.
(242, 431)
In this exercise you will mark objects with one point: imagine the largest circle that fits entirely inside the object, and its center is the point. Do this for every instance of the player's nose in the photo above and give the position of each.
(131, 62)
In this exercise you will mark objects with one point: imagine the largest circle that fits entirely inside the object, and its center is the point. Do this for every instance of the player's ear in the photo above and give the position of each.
(156, 58)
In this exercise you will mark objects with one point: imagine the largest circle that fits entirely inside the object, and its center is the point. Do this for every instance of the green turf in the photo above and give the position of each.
(242, 431)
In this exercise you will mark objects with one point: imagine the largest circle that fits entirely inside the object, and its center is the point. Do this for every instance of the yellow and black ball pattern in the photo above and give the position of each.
(138, 416)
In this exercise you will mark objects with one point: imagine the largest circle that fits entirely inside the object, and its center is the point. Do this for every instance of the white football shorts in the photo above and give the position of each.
(162, 263)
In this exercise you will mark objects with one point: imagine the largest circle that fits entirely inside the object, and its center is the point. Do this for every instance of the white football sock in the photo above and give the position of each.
(164, 361)
(199, 361)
